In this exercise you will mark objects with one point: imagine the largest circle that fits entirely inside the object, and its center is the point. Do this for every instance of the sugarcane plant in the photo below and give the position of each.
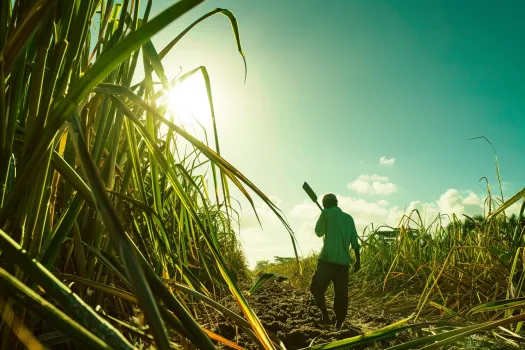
(105, 212)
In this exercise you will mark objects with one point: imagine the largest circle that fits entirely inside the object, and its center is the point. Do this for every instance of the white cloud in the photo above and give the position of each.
(387, 161)
(372, 184)
(472, 199)
(449, 203)
(304, 211)
(375, 177)
(265, 214)
(452, 201)
(360, 186)
(514, 209)
(383, 203)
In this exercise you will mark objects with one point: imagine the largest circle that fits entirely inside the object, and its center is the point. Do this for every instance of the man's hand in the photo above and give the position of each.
(357, 265)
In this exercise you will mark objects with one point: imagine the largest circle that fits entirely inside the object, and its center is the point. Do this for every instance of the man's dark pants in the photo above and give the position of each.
(329, 272)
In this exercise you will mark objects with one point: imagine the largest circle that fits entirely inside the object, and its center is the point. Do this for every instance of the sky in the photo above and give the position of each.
(374, 101)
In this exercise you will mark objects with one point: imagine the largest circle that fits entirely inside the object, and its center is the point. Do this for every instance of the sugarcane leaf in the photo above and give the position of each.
(263, 278)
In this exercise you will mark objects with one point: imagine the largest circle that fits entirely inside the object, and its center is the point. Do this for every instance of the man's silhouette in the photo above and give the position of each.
(339, 232)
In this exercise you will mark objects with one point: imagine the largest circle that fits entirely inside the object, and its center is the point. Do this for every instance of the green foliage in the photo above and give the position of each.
(354, 342)
(96, 183)
(261, 264)
(262, 278)
(283, 260)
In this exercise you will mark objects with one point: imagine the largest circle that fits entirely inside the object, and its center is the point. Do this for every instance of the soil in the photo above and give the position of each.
(291, 314)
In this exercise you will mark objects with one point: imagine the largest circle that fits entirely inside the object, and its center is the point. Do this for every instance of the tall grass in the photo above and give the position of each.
(99, 208)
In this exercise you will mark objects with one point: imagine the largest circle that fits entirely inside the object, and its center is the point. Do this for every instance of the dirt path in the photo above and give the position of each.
(291, 314)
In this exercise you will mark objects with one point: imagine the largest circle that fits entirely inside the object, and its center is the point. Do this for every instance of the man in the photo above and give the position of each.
(338, 230)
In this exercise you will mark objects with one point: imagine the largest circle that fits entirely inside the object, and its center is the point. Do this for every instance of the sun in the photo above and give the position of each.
(188, 102)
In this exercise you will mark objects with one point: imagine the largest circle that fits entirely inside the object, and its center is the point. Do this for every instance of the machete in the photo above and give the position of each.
(311, 194)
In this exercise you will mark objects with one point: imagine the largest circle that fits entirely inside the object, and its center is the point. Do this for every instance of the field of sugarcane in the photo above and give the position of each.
(117, 229)
(459, 283)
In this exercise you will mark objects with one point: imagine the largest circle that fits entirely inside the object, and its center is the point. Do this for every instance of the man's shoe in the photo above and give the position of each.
(326, 320)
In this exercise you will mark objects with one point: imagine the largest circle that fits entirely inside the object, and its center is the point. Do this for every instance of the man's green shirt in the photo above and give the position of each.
(338, 229)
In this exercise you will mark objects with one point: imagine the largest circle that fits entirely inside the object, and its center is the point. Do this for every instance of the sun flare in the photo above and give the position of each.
(188, 102)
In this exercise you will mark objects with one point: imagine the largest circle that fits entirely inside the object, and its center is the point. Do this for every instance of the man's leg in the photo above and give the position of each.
(340, 279)
(320, 281)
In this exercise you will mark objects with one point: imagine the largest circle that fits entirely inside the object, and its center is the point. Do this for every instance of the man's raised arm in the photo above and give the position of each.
(320, 227)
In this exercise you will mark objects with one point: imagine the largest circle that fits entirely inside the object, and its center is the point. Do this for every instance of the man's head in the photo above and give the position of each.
(329, 201)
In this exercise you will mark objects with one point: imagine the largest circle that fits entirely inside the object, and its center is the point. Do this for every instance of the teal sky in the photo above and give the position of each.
(333, 86)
